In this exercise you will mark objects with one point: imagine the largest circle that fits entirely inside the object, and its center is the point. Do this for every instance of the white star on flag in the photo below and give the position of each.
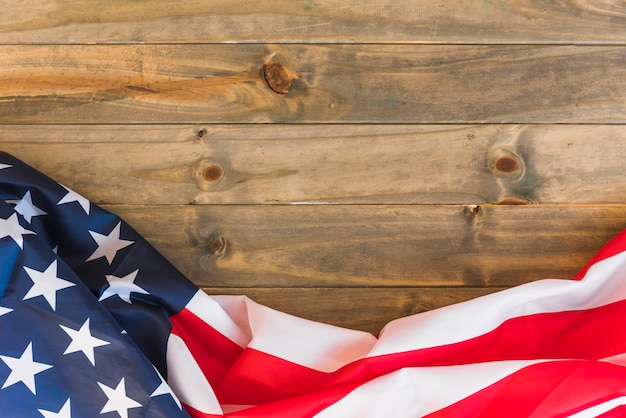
(3, 166)
(46, 284)
(72, 196)
(27, 208)
(164, 389)
(4, 311)
(64, 412)
(118, 401)
(82, 340)
(122, 287)
(109, 245)
(23, 369)
(11, 227)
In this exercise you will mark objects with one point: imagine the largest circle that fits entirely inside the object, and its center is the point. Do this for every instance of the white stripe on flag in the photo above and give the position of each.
(186, 379)
(214, 313)
(463, 321)
(311, 344)
(596, 410)
(415, 392)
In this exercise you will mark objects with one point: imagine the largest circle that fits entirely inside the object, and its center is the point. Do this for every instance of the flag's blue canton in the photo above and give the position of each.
(84, 306)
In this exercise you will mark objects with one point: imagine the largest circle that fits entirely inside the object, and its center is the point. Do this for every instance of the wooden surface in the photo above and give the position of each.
(375, 245)
(319, 83)
(349, 162)
(313, 21)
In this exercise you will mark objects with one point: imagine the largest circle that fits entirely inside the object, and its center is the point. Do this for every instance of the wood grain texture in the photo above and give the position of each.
(366, 309)
(373, 246)
(366, 164)
(319, 21)
(336, 160)
(324, 83)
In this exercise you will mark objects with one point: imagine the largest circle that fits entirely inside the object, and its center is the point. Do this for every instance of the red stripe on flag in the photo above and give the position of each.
(258, 377)
(552, 389)
(305, 406)
(589, 334)
(612, 248)
(197, 414)
(216, 358)
(254, 377)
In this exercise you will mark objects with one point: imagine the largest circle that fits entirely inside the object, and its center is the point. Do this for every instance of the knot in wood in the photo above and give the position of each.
(277, 77)
(506, 164)
(212, 173)
(472, 212)
(217, 245)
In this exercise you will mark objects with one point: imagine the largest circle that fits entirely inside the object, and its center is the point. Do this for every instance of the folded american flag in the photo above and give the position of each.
(94, 322)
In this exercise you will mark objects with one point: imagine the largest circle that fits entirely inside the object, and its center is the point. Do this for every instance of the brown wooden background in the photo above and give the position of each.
(350, 162)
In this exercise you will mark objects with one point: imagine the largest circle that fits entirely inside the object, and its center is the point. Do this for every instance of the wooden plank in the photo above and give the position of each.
(312, 83)
(377, 164)
(363, 309)
(442, 21)
(374, 246)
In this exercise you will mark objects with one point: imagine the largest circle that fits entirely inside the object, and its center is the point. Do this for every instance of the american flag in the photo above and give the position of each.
(94, 322)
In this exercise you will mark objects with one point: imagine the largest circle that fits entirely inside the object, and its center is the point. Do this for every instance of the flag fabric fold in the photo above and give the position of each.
(94, 322)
